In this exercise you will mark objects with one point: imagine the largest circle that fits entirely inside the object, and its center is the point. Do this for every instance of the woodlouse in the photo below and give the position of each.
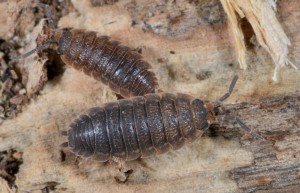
(117, 66)
(142, 126)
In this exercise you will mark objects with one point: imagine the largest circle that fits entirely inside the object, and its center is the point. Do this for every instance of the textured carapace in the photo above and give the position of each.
(145, 125)
(102, 58)
(138, 127)
(117, 66)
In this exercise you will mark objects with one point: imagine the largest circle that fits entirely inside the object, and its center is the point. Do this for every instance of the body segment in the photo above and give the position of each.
(106, 60)
(138, 127)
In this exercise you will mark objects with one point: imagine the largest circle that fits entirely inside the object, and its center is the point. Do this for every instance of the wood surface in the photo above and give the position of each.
(192, 50)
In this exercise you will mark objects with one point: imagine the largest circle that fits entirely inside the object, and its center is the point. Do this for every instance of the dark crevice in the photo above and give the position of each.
(248, 32)
(54, 65)
(10, 162)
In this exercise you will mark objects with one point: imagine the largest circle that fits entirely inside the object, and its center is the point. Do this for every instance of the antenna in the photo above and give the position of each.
(235, 118)
(39, 47)
(242, 125)
(230, 90)
(23, 56)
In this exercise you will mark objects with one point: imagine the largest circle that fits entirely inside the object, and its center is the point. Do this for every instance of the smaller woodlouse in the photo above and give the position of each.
(143, 126)
(115, 65)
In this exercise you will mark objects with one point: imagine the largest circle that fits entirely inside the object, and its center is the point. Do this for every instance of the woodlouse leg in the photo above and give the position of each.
(40, 48)
(121, 164)
(242, 125)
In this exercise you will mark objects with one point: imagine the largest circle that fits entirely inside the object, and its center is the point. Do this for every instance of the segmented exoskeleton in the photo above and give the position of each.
(106, 60)
(117, 66)
(142, 126)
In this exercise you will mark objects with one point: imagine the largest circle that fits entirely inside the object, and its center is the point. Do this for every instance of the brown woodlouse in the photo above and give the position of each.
(115, 65)
(142, 126)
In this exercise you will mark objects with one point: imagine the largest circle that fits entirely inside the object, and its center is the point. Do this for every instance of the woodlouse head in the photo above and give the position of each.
(47, 39)
(214, 108)
(49, 36)
(211, 118)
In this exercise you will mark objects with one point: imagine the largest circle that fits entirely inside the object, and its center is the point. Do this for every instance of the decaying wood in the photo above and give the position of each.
(276, 164)
(268, 30)
(238, 35)
(191, 48)
(33, 67)
(223, 157)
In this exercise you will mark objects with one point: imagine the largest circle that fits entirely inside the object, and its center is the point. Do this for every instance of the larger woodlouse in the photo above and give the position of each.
(117, 66)
(142, 126)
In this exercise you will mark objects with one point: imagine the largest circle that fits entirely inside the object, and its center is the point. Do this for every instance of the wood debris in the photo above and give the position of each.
(268, 30)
